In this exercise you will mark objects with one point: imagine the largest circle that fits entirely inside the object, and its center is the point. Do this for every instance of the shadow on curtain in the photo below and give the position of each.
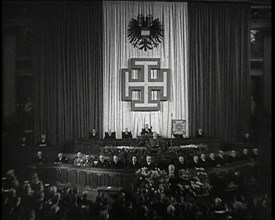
(68, 65)
(219, 89)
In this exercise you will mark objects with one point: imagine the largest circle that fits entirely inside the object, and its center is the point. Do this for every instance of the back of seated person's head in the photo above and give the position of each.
(144, 210)
(56, 198)
(170, 210)
(27, 190)
(218, 201)
(255, 150)
(10, 173)
(233, 153)
(53, 190)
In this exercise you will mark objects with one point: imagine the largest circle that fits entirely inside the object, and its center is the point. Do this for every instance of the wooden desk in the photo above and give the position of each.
(88, 146)
(98, 177)
(85, 176)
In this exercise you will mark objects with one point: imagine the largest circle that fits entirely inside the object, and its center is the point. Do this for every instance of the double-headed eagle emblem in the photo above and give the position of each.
(145, 33)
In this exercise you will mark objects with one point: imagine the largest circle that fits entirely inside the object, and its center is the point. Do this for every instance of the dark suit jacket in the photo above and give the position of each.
(193, 164)
(254, 156)
(43, 144)
(180, 166)
(117, 165)
(107, 136)
(212, 163)
(63, 160)
(150, 167)
(231, 159)
(244, 157)
(203, 164)
(127, 136)
(200, 135)
(134, 167)
(178, 136)
(91, 136)
(220, 160)
(40, 160)
(102, 164)
(143, 131)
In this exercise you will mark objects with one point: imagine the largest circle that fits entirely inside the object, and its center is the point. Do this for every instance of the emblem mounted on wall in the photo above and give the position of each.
(145, 84)
(145, 34)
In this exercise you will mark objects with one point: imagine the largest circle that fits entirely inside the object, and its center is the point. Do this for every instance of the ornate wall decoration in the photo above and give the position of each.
(145, 34)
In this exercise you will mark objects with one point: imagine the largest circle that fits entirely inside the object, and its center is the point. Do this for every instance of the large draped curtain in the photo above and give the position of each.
(68, 70)
(219, 92)
(172, 53)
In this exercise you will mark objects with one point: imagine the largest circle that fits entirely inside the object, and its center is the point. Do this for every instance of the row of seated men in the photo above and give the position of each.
(196, 161)
(43, 142)
(128, 135)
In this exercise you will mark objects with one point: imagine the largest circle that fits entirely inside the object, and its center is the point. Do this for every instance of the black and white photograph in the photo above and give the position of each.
(136, 110)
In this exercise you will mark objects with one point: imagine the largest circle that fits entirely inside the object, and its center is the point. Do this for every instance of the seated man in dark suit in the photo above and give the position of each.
(149, 164)
(146, 130)
(93, 134)
(110, 135)
(203, 162)
(43, 141)
(127, 134)
(87, 160)
(232, 157)
(116, 164)
(23, 142)
(220, 159)
(212, 160)
(78, 160)
(195, 162)
(134, 163)
(40, 159)
(180, 164)
(255, 154)
(244, 155)
(61, 159)
(101, 162)
(200, 133)
(247, 138)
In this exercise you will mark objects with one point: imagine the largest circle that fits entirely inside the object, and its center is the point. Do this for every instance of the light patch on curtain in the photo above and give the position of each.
(154, 95)
(136, 95)
(172, 53)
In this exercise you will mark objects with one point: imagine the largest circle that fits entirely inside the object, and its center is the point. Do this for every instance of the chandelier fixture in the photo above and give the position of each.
(145, 34)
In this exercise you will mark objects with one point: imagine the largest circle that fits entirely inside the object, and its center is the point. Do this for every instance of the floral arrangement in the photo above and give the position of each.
(152, 185)
(155, 187)
(194, 182)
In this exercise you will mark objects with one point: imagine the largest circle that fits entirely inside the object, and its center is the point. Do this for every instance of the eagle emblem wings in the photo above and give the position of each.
(145, 34)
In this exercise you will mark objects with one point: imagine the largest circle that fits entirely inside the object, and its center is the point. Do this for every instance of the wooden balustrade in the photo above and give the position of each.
(97, 177)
